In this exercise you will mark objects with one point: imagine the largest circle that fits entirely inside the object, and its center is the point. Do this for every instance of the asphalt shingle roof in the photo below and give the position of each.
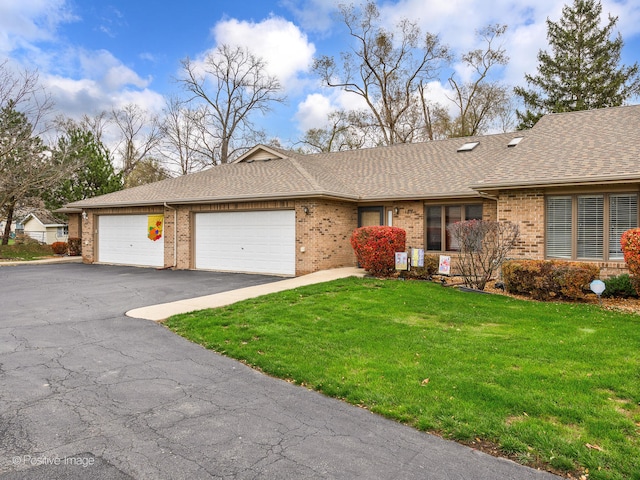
(577, 147)
(590, 146)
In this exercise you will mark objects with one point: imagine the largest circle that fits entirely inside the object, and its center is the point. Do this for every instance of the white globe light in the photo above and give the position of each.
(597, 287)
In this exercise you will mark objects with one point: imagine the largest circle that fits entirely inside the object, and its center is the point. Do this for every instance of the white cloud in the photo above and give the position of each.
(284, 47)
(108, 70)
(313, 112)
(25, 22)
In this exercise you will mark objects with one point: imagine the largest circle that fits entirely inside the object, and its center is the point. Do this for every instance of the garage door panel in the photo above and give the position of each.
(260, 242)
(122, 239)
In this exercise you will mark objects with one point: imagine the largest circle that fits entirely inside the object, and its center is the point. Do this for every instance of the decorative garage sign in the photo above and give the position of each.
(154, 232)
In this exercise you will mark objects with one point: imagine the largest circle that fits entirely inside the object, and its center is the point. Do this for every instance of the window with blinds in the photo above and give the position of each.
(623, 215)
(590, 226)
(559, 227)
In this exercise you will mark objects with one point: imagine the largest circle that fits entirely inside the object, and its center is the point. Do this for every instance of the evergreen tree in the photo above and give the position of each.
(94, 174)
(582, 71)
(24, 168)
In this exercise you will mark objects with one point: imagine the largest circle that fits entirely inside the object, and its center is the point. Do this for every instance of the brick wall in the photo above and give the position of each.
(526, 209)
(410, 217)
(325, 235)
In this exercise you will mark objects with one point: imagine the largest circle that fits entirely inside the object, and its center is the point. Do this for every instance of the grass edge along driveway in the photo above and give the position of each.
(550, 385)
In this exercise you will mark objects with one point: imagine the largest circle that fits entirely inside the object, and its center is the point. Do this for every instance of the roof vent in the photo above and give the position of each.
(515, 141)
(467, 147)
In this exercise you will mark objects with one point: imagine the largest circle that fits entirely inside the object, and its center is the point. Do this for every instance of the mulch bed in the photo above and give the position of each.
(627, 305)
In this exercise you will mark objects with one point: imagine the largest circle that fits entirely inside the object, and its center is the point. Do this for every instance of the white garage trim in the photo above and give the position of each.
(252, 242)
(123, 239)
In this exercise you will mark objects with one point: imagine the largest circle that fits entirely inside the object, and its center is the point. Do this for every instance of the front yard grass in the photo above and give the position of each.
(550, 385)
(24, 251)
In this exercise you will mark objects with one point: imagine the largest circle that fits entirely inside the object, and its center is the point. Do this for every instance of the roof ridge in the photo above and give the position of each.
(305, 173)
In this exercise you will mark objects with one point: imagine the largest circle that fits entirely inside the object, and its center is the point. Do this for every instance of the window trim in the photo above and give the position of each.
(606, 224)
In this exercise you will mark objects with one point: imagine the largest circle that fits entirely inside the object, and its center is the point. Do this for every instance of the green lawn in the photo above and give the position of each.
(551, 385)
(25, 251)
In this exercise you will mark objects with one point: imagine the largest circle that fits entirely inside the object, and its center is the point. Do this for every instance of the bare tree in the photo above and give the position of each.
(231, 85)
(181, 134)
(484, 245)
(343, 132)
(480, 101)
(385, 69)
(140, 134)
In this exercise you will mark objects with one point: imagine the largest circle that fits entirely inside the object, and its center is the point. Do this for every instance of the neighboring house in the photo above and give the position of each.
(16, 227)
(571, 184)
(45, 228)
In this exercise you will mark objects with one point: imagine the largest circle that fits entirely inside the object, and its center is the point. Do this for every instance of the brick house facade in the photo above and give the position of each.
(563, 183)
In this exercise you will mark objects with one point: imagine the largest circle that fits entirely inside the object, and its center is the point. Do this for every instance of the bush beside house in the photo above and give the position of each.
(630, 242)
(59, 248)
(75, 246)
(375, 248)
(548, 279)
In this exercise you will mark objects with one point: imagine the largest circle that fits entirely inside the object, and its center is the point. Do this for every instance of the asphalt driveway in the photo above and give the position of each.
(86, 392)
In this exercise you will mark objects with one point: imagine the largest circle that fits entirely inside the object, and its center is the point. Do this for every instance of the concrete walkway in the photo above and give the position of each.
(44, 261)
(165, 310)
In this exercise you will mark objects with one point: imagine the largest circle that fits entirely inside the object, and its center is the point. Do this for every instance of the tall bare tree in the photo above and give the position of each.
(385, 69)
(181, 134)
(231, 84)
(480, 101)
(140, 135)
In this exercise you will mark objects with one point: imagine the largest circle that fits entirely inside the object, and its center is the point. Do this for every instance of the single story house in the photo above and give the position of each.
(42, 226)
(571, 183)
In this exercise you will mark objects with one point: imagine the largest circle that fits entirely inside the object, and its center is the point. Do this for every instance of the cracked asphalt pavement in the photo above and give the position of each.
(86, 392)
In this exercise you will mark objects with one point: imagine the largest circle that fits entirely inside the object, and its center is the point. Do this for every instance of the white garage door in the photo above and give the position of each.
(124, 239)
(255, 242)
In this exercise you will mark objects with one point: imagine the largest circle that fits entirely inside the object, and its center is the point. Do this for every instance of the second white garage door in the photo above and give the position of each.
(256, 242)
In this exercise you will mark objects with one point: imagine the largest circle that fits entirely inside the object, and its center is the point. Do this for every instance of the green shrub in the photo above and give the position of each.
(75, 246)
(375, 248)
(548, 279)
(619, 286)
(59, 248)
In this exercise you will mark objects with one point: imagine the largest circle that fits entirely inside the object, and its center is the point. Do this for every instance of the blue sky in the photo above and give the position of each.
(96, 55)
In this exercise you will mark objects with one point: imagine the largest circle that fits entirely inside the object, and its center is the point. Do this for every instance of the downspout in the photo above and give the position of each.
(175, 234)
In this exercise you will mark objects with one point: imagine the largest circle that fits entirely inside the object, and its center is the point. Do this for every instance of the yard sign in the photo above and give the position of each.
(444, 267)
